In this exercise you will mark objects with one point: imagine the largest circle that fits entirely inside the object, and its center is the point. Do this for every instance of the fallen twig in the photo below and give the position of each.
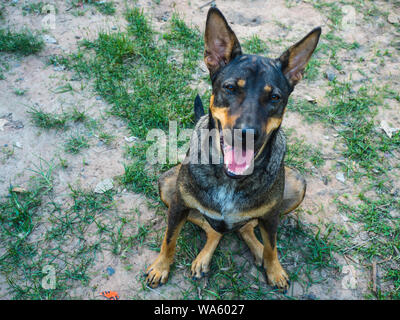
(374, 277)
(206, 4)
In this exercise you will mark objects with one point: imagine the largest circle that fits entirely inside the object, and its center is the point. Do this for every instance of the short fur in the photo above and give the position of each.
(250, 93)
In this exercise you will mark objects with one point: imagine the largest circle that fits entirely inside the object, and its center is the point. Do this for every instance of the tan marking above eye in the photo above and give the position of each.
(241, 83)
(268, 88)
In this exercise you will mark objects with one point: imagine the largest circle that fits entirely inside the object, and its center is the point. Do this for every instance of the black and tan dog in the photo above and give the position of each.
(249, 94)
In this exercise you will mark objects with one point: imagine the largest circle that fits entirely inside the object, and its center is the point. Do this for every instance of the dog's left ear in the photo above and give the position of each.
(295, 59)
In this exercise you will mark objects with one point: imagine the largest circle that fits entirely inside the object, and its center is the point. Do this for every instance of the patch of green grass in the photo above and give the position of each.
(32, 240)
(20, 92)
(75, 143)
(299, 154)
(393, 274)
(376, 219)
(138, 176)
(2, 11)
(4, 66)
(139, 78)
(313, 69)
(46, 120)
(381, 240)
(255, 45)
(106, 8)
(23, 42)
(106, 137)
(77, 116)
(146, 80)
(58, 60)
(332, 10)
(33, 8)
(351, 113)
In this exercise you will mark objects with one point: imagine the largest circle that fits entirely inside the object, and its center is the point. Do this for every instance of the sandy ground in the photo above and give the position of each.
(101, 161)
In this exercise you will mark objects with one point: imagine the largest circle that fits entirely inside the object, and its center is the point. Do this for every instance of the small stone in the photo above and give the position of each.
(104, 186)
(110, 271)
(340, 177)
(310, 296)
(3, 122)
(393, 18)
(49, 39)
(59, 68)
(310, 99)
(130, 139)
(18, 144)
(330, 74)
(394, 213)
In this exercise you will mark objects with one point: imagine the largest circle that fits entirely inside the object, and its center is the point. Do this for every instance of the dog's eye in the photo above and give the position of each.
(230, 88)
(275, 97)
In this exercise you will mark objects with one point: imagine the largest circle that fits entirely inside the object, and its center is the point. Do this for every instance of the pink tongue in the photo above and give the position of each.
(235, 162)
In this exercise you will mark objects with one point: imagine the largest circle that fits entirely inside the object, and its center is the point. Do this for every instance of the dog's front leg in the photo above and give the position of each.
(276, 275)
(158, 272)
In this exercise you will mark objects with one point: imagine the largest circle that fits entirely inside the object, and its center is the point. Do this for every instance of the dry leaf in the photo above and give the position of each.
(387, 129)
(19, 190)
(3, 122)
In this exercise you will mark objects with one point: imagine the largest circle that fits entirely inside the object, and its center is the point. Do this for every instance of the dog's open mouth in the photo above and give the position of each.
(238, 160)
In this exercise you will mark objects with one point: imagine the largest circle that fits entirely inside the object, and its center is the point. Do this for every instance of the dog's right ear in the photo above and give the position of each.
(221, 44)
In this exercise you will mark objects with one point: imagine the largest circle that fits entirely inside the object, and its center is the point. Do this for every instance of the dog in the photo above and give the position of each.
(249, 96)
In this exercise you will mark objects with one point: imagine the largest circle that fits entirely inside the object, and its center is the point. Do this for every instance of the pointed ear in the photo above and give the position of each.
(220, 42)
(295, 59)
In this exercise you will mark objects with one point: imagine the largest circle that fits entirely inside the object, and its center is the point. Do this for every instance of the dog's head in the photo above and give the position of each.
(250, 92)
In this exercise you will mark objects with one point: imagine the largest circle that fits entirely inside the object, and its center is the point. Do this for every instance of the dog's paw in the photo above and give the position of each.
(157, 273)
(200, 266)
(277, 277)
(258, 257)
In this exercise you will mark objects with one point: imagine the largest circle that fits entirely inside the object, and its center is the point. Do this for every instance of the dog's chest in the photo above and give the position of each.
(224, 198)
(227, 202)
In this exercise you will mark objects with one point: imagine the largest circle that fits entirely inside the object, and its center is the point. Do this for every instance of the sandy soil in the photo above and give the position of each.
(100, 161)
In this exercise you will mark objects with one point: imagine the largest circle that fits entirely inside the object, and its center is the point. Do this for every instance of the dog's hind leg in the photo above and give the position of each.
(295, 189)
(255, 246)
(167, 184)
(201, 265)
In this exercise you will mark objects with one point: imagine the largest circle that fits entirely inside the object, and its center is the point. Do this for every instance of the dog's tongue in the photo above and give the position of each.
(236, 160)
